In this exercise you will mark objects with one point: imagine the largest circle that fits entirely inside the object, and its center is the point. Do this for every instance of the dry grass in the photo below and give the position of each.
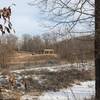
(27, 57)
(57, 80)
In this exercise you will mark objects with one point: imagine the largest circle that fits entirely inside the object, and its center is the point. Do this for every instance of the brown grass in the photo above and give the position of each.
(27, 57)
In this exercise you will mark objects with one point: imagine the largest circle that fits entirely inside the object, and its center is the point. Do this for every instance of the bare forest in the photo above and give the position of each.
(57, 64)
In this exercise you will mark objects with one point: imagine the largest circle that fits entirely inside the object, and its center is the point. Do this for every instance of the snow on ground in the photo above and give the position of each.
(86, 89)
(76, 92)
(80, 92)
(28, 97)
(55, 68)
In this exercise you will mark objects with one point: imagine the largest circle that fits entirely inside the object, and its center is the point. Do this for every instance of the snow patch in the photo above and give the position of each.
(28, 97)
(80, 92)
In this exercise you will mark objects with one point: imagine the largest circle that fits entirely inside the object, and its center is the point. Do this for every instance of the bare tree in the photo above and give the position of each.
(32, 43)
(12, 41)
(5, 27)
(68, 18)
(38, 43)
(72, 17)
(68, 15)
(5, 52)
(46, 38)
(26, 39)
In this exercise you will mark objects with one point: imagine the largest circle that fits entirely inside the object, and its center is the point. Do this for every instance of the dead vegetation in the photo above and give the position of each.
(54, 81)
(44, 81)
(28, 58)
(57, 80)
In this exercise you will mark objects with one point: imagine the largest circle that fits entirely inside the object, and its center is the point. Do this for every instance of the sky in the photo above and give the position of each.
(25, 18)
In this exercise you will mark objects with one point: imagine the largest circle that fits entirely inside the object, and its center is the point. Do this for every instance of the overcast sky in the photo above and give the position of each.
(25, 18)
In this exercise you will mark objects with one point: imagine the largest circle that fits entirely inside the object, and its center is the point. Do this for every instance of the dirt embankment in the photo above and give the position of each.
(27, 57)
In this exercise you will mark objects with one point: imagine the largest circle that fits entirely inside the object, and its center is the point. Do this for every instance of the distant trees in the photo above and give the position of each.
(69, 18)
(5, 53)
(78, 49)
(30, 43)
(7, 48)
(38, 43)
(12, 41)
(7, 43)
(25, 44)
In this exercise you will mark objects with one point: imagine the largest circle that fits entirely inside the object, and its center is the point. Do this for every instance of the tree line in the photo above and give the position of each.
(79, 48)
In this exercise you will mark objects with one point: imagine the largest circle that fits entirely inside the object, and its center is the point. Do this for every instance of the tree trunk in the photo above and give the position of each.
(97, 48)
